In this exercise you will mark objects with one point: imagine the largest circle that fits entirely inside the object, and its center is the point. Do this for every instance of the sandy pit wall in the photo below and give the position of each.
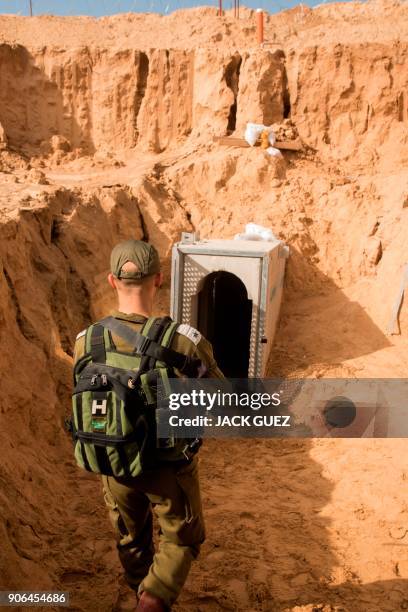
(52, 284)
(53, 266)
(348, 102)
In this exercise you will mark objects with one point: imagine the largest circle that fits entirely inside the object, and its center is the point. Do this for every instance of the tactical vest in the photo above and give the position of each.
(115, 403)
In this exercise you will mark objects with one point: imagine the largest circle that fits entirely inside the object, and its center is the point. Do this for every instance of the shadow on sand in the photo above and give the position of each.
(268, 542)
(319, 325)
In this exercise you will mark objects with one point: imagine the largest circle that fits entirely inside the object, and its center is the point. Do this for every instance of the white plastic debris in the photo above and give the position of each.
(256, 232)
(254, 130)
(274, 152)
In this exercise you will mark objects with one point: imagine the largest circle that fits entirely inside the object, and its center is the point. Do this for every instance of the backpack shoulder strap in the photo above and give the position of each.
(97, 346)
(145, 346)
(95, 350)
(168, 335)
(155, 329)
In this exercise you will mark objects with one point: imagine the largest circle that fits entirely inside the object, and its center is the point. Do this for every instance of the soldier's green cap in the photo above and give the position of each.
(143, 255)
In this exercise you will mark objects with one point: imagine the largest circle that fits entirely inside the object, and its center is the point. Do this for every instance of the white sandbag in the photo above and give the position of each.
(259, 230)
(251, 133)
(274, 152)
(253, 231)
(247, 237)
(254, 130)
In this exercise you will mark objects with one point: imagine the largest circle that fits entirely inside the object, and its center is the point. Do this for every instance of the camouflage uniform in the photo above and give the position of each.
(172, 488)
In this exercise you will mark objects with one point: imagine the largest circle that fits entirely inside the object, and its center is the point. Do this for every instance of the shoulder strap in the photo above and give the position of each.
(94, 350)
(98, 351)
(145, 346)
(157, 327)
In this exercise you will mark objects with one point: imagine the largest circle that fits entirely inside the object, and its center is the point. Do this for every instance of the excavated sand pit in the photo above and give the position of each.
(106, 132)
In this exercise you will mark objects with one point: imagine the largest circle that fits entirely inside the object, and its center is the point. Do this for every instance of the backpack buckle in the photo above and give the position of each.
(192, 448)
(144, 345)
(132, 383)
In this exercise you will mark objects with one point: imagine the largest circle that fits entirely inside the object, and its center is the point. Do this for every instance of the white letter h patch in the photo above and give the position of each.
(99, 407)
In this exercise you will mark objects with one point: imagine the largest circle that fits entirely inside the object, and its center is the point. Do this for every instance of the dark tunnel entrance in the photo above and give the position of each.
(224, 318)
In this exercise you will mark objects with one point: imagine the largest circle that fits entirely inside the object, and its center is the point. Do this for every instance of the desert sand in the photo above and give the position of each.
(106, 132)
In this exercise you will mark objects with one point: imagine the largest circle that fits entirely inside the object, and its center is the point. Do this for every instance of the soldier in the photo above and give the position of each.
(172, 486)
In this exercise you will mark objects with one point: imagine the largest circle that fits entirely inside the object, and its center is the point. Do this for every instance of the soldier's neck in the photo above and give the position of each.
(141, 304)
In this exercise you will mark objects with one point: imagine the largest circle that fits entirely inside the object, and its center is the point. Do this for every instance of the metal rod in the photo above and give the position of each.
(220, 7)
(31, 8)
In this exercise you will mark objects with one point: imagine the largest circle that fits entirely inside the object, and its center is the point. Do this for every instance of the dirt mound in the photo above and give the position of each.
(106, 132)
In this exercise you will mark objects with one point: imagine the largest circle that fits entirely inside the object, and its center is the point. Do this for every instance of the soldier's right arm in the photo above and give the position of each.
(189, 341)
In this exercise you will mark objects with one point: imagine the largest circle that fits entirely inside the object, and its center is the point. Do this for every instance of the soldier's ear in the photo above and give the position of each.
(158, 280)
(112, 280)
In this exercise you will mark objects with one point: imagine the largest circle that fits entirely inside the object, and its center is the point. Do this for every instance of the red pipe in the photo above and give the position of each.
(260, 26)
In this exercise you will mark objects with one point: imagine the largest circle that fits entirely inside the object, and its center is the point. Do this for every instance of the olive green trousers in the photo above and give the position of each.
(174, 493)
